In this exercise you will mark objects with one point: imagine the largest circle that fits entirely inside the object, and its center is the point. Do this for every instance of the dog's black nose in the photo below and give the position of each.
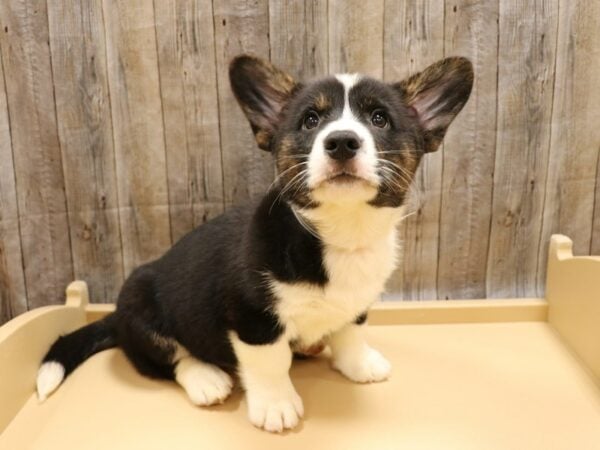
(342, 145)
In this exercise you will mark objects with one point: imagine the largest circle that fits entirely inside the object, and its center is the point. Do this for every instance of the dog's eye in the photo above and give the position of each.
(311, 120)
(379, 118)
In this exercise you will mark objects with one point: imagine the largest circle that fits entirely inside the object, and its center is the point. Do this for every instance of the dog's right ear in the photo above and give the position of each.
(262, 90)
(437, 95)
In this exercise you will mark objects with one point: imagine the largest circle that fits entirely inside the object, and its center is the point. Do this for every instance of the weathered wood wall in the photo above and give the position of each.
(118, 132)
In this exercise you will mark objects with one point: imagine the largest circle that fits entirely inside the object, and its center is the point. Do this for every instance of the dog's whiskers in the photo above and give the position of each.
(296, 179)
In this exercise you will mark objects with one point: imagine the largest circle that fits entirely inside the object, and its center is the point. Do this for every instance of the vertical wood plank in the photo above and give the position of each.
(240, 27)
(36, 151)
(471, 30)
(356, 36)
(526, 55)
(85, 129)
(186, 55)
(298, 37)
(137, 119)
(575, 137)
(414, 38)
(13, 298)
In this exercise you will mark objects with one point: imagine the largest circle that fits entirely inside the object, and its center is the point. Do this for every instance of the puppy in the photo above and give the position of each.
(296, 270)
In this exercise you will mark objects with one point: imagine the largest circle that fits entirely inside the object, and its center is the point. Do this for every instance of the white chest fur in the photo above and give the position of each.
(359, 255)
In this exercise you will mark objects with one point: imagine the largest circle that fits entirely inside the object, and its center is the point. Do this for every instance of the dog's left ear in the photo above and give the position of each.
(437, 95)
(262, 90)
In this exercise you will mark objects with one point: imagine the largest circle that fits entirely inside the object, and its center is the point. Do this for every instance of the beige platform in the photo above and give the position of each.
(502, 374)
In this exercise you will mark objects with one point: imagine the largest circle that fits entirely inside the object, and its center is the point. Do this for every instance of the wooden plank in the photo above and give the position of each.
(471, 30)
(240, 27)
(298, 37)
(595, 245)
(85, 129)
(427, 312)
(459, 311)
(575, 137)
(414, 38)
(186, 56)
(356, 36)
(36, 150)
(573, 292)
(526, 55)
(13, 299)
(139, 140)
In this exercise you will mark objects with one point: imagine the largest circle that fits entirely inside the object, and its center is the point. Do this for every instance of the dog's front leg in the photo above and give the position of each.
(354, 358)
(273, 403)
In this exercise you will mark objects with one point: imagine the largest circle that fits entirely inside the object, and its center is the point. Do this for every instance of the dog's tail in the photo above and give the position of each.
(71, 350)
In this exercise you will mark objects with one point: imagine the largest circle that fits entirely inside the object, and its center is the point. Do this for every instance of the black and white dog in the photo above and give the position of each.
(296, 270)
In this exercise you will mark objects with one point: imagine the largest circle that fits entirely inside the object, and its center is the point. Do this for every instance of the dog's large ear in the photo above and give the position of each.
(262, 90)
(437, 95)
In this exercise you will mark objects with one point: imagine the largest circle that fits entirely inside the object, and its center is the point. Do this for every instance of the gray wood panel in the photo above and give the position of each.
(414, 38)
(138, 130)
(78, 48)
(572, 173)
(525, 91)
(39, 177)
(469, 150)
(186, 56)
(356, 36)
(298, 41)
(13, 298)
(240, 27)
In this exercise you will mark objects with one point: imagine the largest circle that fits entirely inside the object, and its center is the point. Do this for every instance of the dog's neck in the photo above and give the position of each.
(350, 226)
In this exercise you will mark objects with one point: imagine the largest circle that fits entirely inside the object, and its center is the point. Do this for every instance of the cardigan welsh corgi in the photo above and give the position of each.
(296, 270)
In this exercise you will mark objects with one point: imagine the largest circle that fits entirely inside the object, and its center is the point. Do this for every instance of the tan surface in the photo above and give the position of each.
(573, 292)
(468, 386)
(496, 376)
(24, 341)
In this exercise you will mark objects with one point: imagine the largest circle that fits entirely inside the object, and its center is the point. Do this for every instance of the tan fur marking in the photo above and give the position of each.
(262, 138)
(322, 103)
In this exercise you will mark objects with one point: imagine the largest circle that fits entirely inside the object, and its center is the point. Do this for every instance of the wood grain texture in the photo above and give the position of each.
(298, 37)
(83, 111)
(575, 137)
(13, 299)
(186, 56)
(414, 38)
(356, 36)
(240, 27)
(526, 55)
(138, 131)
(36, 150)
(471, 30)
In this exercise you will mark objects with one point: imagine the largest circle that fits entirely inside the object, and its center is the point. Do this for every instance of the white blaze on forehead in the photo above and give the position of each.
(366, 158)
(348, 80)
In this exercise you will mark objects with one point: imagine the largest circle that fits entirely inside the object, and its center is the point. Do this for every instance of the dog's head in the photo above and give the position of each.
(349, 138)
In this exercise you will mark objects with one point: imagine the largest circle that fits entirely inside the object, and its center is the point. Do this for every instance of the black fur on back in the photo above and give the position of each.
(213, 281)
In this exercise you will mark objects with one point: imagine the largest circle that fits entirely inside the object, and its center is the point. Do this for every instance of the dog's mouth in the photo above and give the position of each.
(349, 176)
(344, 177)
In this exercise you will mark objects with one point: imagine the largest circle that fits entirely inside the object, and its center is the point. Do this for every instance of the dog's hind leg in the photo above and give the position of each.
(153, 350)
(158, 356)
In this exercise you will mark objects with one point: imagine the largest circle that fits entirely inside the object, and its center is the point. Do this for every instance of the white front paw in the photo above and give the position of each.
(275, 410)
(367, 367)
